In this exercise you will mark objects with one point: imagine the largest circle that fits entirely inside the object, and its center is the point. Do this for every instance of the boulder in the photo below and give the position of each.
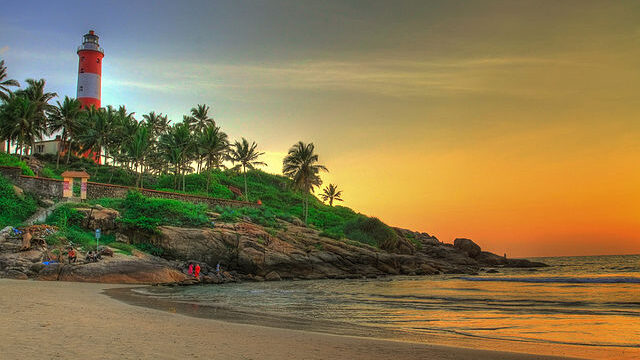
(100, 218)
(467, 246)
(273, 276)
(119, 269)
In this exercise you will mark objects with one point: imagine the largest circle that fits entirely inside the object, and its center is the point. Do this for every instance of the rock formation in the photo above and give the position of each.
(249, 251)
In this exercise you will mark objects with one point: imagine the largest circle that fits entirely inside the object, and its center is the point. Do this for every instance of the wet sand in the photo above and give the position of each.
(64, 320)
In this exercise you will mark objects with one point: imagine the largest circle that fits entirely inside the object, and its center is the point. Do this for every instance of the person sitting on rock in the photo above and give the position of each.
(90, 257)
(72, 255)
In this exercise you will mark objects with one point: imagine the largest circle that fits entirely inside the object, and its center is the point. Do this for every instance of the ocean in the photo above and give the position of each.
(579, 306)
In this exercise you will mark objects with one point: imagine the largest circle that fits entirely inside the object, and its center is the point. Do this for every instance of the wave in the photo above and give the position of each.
(561, 279)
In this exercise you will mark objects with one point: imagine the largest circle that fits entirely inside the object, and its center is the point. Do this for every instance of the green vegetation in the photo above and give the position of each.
(9, 160)
(15, 208)
(70, 231)
(146, 214)
(371, 231)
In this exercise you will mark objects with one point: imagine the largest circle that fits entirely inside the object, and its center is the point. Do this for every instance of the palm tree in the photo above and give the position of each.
(138, 149)
(18, 122)
(200, 115)
(96, 125)
(301, 165)
(64, 117)
(158, 123)
(36, 93)
(4, 90)
(176, 146)
(213, 146)
(331, 193)
(246, 155)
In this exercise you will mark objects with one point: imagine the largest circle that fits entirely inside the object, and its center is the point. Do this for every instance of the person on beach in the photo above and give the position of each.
(197, 271)
(73, 257)
(218, 267)
(190, 269)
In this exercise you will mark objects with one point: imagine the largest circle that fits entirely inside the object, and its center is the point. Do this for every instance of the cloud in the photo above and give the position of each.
(4, 49)
(389, 77)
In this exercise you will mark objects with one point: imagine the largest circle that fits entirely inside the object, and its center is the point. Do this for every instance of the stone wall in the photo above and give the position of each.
(52, 188)
(11, 172)
(44, 187)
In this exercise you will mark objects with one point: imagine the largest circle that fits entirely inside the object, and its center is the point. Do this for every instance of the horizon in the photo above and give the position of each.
(494, 121)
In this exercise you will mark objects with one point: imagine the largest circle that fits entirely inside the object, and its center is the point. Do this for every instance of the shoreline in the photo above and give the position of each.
(78, 320)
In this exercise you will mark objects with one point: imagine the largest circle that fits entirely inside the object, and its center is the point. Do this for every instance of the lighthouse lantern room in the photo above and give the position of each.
(90, 56)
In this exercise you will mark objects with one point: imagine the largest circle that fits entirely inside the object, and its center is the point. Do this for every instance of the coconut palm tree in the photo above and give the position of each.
(213, 145)
(301, 165)
(158, 123)
(177, 145)
(19, 120)
(138, 149)
(246, 155)
(5, 83)
(96, 125)
(200, 115)
(64, 117)
(36, 93)
(331, 193)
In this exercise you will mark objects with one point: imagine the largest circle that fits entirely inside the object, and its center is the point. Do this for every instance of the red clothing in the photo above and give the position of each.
(197, 273)
(190, 269)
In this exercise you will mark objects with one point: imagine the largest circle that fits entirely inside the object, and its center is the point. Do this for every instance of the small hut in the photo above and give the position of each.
(75, 180)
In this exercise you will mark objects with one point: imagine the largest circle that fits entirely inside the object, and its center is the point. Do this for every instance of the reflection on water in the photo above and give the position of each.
(589, 305)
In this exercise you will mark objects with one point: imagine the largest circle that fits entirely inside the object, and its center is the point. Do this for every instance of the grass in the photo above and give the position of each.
(15, 208)
(11, 160)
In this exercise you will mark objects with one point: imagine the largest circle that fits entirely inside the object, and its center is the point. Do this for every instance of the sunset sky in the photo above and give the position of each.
(513, 123)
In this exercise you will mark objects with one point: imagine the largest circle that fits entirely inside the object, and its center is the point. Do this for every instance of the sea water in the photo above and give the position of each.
(578, 306)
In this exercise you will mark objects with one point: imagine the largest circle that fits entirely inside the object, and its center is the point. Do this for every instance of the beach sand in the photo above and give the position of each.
(64, 320)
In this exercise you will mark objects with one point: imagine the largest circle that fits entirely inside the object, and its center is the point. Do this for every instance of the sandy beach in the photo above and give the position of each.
(64, 320)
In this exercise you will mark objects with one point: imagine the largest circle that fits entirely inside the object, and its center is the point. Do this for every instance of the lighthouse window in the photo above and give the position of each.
(82, 58)
(81, 70)
(81, 88)
(98, 61)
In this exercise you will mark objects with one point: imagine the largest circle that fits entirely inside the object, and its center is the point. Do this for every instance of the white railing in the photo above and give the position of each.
(90, 47)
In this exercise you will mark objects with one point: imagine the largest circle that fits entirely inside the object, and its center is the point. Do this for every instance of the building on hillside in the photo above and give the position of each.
(47, 146)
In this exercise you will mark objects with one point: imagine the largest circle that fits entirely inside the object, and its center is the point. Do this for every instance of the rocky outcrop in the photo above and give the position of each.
(249, 251)
(119, 269)
(122, 269)
(299, 252)
(101, 218)
(467, 246)
(295, 252)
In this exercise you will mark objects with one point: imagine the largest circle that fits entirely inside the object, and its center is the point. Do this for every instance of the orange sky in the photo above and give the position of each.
(514, 123)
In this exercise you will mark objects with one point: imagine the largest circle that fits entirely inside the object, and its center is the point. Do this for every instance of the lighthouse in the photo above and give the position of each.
(90, 56)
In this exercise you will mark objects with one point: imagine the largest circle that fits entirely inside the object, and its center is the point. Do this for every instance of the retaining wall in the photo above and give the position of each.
(52, 188)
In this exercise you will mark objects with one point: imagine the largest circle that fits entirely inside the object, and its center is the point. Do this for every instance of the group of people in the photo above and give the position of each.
(93, 256)
(195, 270)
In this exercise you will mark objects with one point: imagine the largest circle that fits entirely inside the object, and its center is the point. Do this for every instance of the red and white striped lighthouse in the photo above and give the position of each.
(90, 70)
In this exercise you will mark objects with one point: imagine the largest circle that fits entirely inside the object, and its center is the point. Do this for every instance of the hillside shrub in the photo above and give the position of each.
(11, 160)
(372, 231)
(15, 209)
(146, 214)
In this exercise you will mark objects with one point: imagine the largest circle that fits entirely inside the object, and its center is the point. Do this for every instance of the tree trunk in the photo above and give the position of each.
(60, 144)
(246, 192)
(68, 151)
(306, 208)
